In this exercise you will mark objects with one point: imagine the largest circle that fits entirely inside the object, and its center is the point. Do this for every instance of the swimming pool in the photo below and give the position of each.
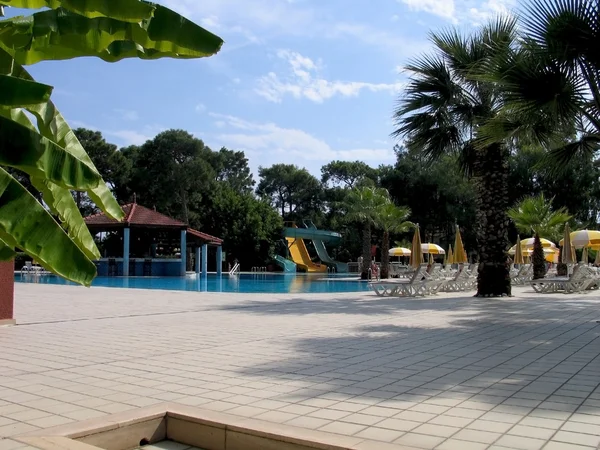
(249, 283)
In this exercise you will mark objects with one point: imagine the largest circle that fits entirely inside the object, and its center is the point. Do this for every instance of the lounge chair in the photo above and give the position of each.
(582, 279)
(462, 281)
(417, 285)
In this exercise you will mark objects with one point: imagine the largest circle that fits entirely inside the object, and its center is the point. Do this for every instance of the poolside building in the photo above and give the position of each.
(148, 243)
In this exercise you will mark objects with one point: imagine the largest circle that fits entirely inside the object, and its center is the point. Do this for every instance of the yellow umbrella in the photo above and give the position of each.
(519, 252)
(550, 254)
(416, 252)
(528, 243)
(432, 249)
(584, 256)
(568, 249)
(450, 256)
(584, 238)
(399, 251)
(460, 255)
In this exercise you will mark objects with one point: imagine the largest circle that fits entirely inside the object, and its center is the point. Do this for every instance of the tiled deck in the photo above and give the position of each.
(446, 373)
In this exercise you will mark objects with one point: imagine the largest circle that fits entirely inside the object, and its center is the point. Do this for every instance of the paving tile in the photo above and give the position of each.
(362, 419)
(533, 432)
(541, 423)
(577, 438)
(553, 445)
(379, 434)
(520, 442)
(398, 424)
(308, 422)
(330, 414)
(436, 430)
(484, 437)
(487, 425)
(419, 441)
(456, 444)
(345, 428)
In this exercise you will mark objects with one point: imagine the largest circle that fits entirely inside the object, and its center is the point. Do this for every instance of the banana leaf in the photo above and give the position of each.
(38, 234)
(6, 253)
(52, 125)
(16, 93)
(126, 10)
(25, 149)
(60, 34)
(59, 200)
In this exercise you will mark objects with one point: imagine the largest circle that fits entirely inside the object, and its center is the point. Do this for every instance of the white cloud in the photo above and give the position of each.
(284, 144)
(127, 114)
(303, 80)
(200, 107)
(443, 8)
(130, 137)
(471, 12)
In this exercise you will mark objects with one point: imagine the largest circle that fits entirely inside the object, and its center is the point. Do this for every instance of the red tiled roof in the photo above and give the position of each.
(136, 215)
(141, 216)
(204, 236)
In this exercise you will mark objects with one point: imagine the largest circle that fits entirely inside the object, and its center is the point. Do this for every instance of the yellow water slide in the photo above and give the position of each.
(301, 257)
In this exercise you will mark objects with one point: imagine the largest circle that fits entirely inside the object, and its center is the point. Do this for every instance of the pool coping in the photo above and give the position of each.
(192, 426)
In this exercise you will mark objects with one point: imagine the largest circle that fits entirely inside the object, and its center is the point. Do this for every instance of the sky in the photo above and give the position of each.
(297, 81)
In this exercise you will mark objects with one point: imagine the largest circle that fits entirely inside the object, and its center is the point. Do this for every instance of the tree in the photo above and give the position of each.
(232, 167)
(48, 151)
(293, 191)
(362, 205)
(347, 174)
(444, 105)
(391, 219)
(535, 214)
(172, 172)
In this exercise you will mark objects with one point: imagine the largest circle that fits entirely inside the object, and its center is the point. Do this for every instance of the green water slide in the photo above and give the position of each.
(319, 238)
(287, 265)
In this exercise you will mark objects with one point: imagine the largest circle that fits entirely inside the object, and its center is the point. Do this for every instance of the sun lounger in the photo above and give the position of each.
(462, 281)
(418, 285)
(582, 279)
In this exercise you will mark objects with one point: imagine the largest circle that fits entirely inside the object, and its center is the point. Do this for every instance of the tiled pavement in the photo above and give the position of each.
(451, 372)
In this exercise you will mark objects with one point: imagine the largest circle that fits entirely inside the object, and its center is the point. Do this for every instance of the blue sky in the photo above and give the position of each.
(297, 81)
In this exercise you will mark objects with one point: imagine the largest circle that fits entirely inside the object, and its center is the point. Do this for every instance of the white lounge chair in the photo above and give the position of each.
(417, 285)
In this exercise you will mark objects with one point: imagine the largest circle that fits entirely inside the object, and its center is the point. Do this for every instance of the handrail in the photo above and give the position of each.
(235, 269)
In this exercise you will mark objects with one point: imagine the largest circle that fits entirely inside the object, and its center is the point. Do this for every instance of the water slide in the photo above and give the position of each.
(301, 257)
(340, 267)
(295, 237)
(287, 265)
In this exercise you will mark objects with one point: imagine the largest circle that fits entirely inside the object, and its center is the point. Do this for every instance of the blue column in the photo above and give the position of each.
(126, 252)
(205, 259)
(197, 259)
(183, 251)
(219, 260)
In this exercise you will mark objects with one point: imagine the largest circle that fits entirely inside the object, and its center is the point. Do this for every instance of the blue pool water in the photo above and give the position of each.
(257, 283)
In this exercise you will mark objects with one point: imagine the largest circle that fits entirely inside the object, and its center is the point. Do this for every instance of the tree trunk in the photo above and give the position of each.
(538, 259)
(491, 181)
(385, 255)
(366, 252)
(78, 196)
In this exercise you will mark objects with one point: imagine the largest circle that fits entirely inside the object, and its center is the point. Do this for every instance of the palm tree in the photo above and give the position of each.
(551, 82)
(362, 205)
(441, 111)
(535, 215)
(391, 219)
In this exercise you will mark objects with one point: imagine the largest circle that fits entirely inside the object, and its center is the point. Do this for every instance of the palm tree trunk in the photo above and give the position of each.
(366, 252)
(491, 181)
(385, 255)
(538, 259)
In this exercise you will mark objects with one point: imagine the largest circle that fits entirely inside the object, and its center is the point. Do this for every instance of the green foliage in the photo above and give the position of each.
(46, 155)
(535, 215)
(293, 191)
(347, 174)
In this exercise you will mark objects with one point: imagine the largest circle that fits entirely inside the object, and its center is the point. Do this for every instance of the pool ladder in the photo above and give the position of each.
(235, 270)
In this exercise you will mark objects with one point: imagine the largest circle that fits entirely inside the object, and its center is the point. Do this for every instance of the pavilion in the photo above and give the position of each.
(152, 232)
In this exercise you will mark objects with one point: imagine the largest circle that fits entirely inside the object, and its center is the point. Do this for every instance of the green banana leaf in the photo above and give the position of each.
(6, 253)
(26, 150)
(60, 34)
(16, 93)
(61, 203)
(52, 125)
(59, 200)
(38, 234)
(126, 10)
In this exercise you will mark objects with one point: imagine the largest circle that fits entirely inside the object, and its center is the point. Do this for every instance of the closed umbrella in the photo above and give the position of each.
(597, 260)
(584, 256)
(567, 253)
(450, 256)
(416, 252)
(519, 252)
(460, 255)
